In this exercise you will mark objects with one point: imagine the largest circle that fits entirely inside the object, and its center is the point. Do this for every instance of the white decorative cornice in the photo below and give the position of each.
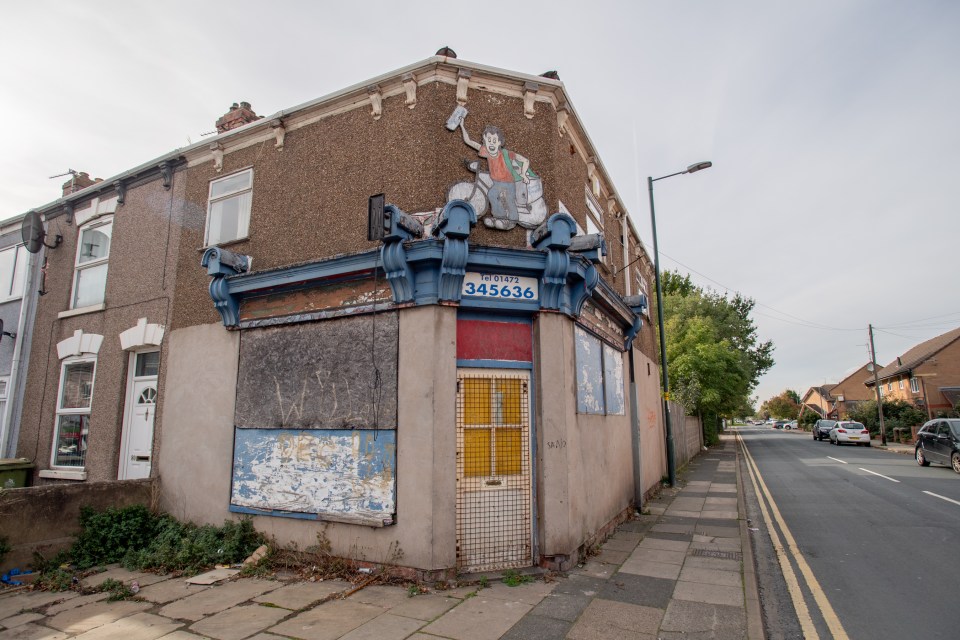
(79, 344)
(410, 87)
(141, 335)
(463, 82)
(376, 101)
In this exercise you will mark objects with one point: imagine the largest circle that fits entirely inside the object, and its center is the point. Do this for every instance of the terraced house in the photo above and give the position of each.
(459, 375)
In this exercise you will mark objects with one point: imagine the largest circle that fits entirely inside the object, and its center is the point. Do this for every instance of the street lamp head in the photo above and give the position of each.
(698, 166)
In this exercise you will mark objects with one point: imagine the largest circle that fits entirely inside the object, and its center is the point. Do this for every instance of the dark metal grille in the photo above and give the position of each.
(711, 553)
(493, 471)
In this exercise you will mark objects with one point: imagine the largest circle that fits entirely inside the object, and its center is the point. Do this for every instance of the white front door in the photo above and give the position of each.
(136, 447)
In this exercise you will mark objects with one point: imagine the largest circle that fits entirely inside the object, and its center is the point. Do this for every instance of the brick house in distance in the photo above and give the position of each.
(927, 376)
(463, 371)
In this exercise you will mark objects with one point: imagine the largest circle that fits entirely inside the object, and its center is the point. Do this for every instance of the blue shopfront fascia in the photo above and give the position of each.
(431, 271)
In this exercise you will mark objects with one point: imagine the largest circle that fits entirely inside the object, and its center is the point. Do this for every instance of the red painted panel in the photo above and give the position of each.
(482, 340)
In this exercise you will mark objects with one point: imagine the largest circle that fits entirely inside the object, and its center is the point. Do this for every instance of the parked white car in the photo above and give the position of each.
(849, 433)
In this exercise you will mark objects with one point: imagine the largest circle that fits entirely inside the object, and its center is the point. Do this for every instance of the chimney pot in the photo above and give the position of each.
(238, 115)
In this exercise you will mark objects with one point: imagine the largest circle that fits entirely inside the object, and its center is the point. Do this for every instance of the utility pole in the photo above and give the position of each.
(876, 386)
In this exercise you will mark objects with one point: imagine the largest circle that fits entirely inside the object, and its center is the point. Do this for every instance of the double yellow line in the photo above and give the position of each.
(786, 548)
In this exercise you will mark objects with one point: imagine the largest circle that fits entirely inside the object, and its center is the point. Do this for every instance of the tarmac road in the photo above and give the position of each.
(870, 540)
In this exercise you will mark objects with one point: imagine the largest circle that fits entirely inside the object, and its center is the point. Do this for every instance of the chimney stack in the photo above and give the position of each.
(239, 115)
(78, 182)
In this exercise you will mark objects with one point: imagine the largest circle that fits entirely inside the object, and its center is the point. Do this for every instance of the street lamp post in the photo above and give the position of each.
(665, 381)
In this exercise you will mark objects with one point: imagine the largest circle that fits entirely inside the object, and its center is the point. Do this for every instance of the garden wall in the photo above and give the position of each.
(46, 518)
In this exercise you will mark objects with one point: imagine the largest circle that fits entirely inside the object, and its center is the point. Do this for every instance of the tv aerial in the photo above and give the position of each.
(33, 233)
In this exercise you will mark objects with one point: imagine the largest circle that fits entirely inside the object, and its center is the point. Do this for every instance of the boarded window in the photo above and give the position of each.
(599, 376)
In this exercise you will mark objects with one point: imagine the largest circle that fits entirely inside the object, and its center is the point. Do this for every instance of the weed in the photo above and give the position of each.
(415, 590)
(116, 589)
(484, 583)
(55, 579)
(513, 579)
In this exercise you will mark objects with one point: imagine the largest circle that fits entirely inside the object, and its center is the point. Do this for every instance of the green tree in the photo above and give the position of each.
(714, 357)
(896, 413)
(785, 406)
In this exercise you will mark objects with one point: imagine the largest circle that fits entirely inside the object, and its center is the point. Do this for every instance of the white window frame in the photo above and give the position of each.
(900, 383)
(60, 412)
(79, 267)
(243, 225)
(915, 385)
(10, 289)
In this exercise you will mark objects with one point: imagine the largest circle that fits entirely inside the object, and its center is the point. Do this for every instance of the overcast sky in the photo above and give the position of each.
(832, 126)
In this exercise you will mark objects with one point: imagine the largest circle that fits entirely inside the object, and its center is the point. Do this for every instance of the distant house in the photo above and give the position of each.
(819, 400)
(927, 376)
(850, 392)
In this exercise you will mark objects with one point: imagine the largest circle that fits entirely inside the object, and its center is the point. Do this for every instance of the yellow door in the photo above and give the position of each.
(493, 470)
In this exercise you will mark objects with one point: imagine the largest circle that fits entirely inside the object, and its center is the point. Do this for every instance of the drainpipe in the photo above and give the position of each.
(15, 387)
(637, 304)
(626, 253)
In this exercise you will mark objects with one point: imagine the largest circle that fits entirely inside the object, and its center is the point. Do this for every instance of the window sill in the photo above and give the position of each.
(62, 474)
(82, 310)
(228, 243)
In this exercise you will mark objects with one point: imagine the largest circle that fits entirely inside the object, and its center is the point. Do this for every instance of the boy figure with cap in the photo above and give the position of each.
(503, 173)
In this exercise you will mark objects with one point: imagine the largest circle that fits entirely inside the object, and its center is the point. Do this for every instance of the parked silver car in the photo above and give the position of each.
(849, 433)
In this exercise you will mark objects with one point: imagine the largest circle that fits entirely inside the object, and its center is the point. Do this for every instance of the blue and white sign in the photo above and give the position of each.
(501, 287)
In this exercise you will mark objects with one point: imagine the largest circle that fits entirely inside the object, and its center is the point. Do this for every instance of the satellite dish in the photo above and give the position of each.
(5, 333)
(33, 233)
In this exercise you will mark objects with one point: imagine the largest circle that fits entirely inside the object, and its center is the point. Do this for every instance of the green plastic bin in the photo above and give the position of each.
(14, 472)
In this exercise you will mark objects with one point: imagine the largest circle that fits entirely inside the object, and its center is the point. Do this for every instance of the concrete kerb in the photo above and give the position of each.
(751, 590)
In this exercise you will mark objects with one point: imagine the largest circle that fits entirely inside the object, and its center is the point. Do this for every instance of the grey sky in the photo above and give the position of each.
(832, 126)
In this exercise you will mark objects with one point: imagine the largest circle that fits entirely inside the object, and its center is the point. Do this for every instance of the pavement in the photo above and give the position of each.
(684, 569)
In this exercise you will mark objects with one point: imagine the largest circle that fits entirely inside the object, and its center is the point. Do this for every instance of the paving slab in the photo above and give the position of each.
(170, 590)
(687, 504)
(31, 631)
(712, 576)
(327, 621)
(385, 627)
(709, 593)
(534, 627)
(302, 594)
(708, 620)
(239, 622)
(122, 575)
(665, 545)
(624, 536)
(14, 604)
(595, 569)
(635, 589)
(643, 554)
(562, 606)
(612, 556)
(721, 544)
(719, 532)
(140, 626)
(722, 564)
(23, 618)
(217, 598)
(721, 514)
(528, 593)
(83, 619)
(610, 619)
(73, 603)
(663, 535)
(674, 528)
(183, 635)
(621, 544)
(580, 585)
(425, 607)
(719, 502)
(651, 569)
(683, 513)
(479, 618)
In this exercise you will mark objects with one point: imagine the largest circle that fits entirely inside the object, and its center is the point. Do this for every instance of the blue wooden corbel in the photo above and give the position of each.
(456, 220)
(553, 236)
(221, 263)
(638, 304)
(585, 280)
(399, 228)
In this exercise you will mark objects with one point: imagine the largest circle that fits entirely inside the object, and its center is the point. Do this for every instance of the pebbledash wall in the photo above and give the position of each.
(456, 395)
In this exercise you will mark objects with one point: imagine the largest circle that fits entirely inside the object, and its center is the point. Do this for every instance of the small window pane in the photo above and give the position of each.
(95, 243)
(91, 284)
(230, 184)
(71, 444)
(19, 272)
(476, 398)
(509, 451)
(476, 451)
(508, 402)
(148, 364)
(77, 386)
(8, 272)
(229, 219)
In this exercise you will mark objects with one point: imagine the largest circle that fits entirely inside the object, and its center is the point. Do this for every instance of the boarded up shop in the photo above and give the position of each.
(446, 389)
